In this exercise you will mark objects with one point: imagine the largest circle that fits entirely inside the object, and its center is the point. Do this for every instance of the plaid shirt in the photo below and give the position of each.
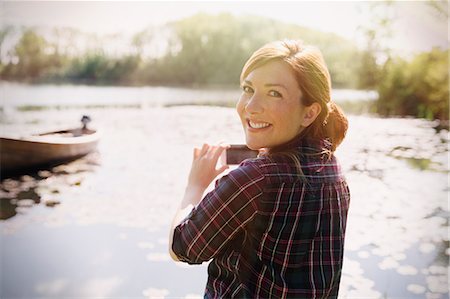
(270, 231)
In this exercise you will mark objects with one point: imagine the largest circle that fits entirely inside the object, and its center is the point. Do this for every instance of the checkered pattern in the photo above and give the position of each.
(270, 231)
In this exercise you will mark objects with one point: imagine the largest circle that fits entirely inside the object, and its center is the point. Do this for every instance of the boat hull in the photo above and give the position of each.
(48, 148)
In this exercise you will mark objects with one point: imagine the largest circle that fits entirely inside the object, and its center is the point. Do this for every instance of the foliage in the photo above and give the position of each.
(33, 59)
(368, 70)
(374, 33)
(213, 49)
(202, 50)
(96, 67)
(206, 50)
(37, 58)
(418, 87)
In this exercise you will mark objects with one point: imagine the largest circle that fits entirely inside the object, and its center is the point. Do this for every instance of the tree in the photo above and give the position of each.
(370, 59)
(32, 55)
(208, 49)
(4, 32)
(417, 88)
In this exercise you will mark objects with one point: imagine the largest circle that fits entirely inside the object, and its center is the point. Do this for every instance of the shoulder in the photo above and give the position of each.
(323, 169)
(306, 161)
(294, 166)
(269, 169)
(248, 180)
(248, 170)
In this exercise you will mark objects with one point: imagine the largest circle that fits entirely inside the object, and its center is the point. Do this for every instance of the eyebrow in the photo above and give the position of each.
(267, 84)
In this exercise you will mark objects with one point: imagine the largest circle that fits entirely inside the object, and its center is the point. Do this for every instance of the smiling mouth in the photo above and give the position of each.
(257, 125)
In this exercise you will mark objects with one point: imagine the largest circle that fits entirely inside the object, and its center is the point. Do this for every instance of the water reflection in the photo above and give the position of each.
(7, 208)
(19, 193)
(111, 225)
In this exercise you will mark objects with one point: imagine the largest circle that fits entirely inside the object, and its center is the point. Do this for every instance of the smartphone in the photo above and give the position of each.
(237, 153)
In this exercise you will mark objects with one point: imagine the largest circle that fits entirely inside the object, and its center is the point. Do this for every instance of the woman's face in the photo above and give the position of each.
(269, 107)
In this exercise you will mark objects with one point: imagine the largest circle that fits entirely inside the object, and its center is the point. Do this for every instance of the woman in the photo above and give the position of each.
(273, 227)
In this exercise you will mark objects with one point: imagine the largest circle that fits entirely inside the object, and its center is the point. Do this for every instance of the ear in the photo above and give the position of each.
(311, 113)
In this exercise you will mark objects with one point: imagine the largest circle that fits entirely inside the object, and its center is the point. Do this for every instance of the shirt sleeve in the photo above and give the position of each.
(221, 214)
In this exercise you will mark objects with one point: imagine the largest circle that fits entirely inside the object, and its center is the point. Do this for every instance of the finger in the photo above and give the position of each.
(218, 152)
(212, 152)
(204, 149)
(223, 143)
(196, 152)
(223, 158)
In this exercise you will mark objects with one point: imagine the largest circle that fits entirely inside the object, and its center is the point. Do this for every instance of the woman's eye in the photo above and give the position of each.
(274, 93)
(247, 89)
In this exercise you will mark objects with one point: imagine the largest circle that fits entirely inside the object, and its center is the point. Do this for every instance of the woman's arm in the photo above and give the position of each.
(191, 197)
(203, 172)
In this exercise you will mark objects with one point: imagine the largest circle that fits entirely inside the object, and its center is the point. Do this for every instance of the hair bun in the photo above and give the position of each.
(336, 125)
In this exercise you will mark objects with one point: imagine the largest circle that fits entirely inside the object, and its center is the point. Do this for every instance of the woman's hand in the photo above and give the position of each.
(203, 170)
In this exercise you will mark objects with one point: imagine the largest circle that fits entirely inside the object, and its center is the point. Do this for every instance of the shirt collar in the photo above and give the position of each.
(307, 145)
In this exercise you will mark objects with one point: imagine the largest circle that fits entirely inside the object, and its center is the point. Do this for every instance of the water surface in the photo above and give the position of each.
(98, 227)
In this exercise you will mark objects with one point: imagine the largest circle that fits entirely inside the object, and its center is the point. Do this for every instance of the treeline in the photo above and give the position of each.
(199, 50)
(417, 87)
(207, 50)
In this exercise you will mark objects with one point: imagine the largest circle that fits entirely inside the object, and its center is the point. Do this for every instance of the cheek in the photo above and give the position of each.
(296, 119)
(240, 106)
(291, 118)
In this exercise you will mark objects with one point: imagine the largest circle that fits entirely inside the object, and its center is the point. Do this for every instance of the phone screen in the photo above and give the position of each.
(237, 153)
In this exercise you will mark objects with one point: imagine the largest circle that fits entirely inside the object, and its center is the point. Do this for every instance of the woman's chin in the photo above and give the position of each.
(254, 145)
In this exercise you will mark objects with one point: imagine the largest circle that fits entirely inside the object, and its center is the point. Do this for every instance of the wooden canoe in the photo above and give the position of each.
(47, 148)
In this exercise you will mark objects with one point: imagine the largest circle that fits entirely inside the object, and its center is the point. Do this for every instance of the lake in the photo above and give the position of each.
(18, 95)
(98, 226)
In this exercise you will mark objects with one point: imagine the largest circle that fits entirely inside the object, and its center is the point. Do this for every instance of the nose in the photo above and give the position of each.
(254, 105)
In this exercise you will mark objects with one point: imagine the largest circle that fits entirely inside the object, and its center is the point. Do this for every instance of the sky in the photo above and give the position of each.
(416, 26)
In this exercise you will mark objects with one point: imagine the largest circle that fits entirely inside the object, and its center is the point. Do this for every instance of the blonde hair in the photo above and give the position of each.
(314, 81)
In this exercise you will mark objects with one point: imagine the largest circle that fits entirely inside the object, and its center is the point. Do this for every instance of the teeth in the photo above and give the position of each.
(258, 125)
